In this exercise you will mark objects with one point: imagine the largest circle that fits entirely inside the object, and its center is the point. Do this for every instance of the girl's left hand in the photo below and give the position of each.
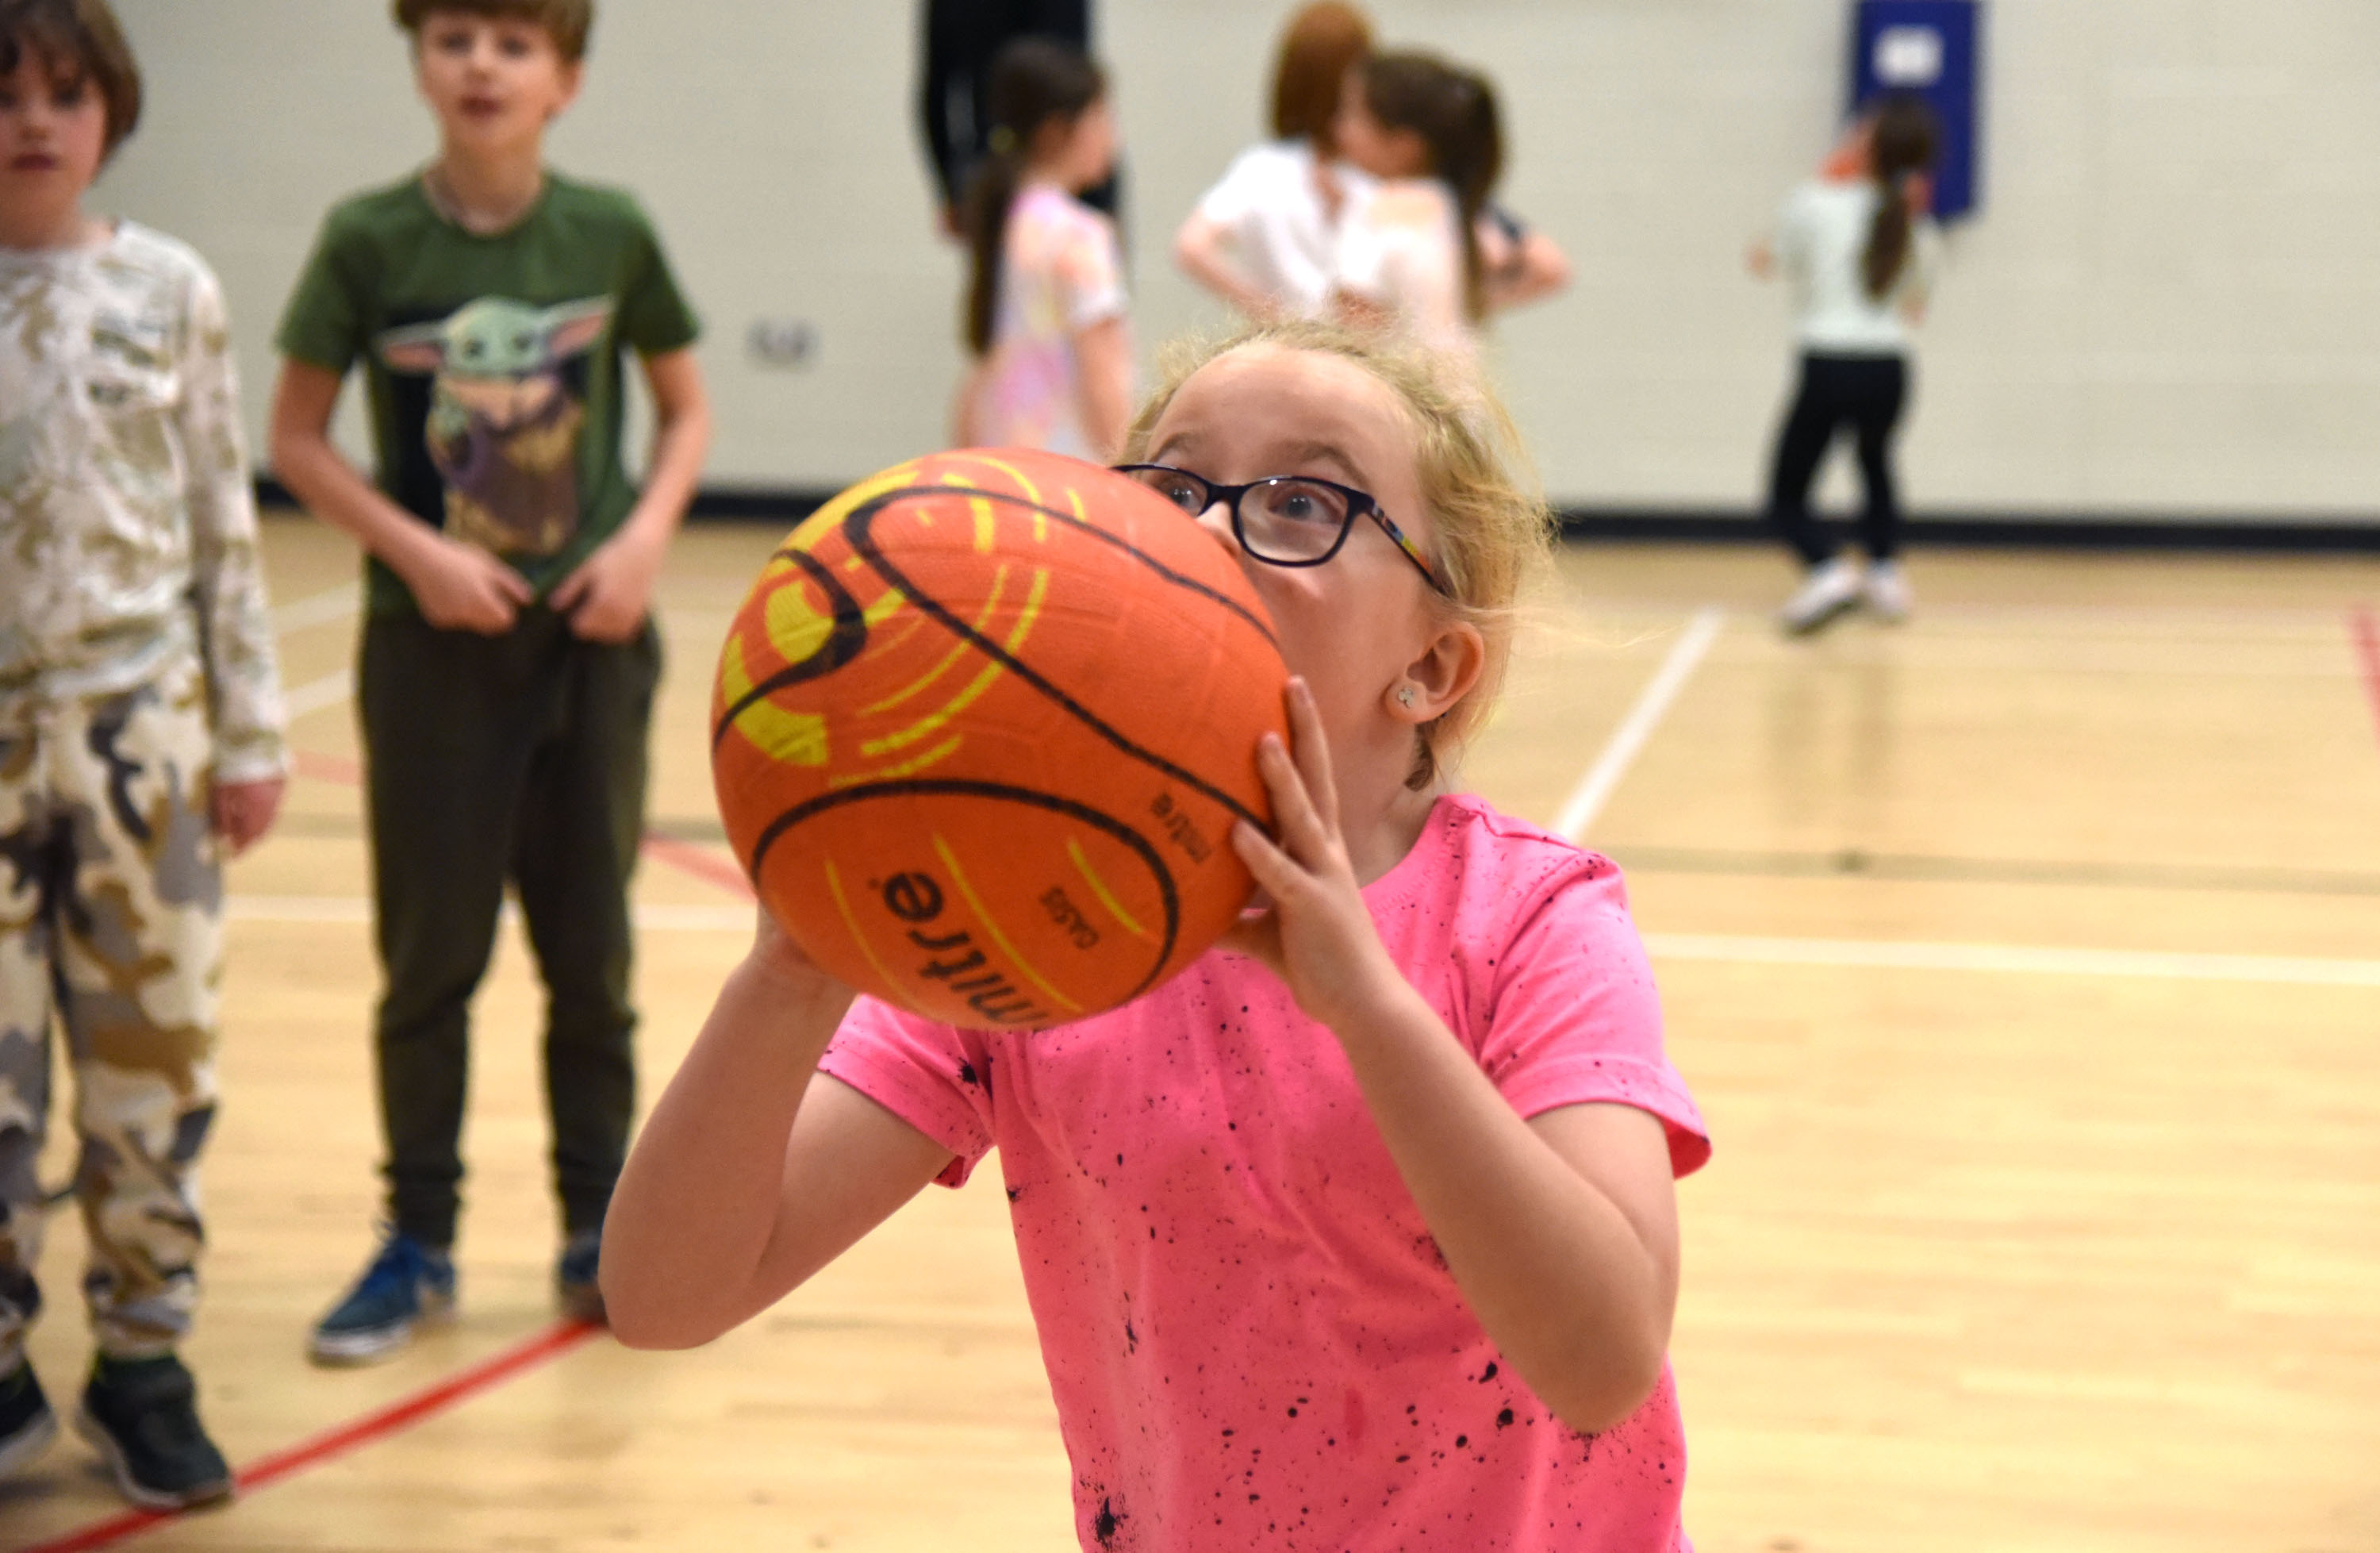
(1316, 936)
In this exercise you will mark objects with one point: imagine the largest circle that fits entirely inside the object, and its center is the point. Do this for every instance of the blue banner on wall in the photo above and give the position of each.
(1929, 47)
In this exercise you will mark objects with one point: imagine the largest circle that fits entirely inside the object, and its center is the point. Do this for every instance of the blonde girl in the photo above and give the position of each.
(1361, 1231)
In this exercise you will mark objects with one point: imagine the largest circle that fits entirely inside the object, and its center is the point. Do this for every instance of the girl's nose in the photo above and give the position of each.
(1217, 520)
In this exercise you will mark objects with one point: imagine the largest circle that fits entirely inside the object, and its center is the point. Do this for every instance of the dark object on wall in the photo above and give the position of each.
(955, 42)
(1933, 49)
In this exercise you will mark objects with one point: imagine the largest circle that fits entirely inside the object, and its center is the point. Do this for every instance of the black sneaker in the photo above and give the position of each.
(574, 1277)
(27, 1425)
(143, 1416)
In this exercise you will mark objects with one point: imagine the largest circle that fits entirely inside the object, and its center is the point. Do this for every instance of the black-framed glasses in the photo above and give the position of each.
(1294, 520)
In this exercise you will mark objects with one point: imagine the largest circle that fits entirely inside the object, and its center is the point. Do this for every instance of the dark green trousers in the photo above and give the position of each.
(517, 759)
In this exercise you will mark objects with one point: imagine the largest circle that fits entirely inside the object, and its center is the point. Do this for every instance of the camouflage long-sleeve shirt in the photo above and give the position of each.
(128, 531)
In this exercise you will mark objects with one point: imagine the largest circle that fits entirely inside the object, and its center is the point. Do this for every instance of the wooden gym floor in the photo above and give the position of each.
(2025, 959)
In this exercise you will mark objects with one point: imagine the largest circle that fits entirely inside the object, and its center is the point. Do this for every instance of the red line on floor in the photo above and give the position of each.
(456, 1388)
(2366, 631)
(326, 768)
(688, 858)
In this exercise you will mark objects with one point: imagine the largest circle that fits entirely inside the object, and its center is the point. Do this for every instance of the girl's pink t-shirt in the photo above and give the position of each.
(1251, 1336)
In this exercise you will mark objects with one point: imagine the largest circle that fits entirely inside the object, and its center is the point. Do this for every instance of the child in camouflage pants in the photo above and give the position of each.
(140, 737)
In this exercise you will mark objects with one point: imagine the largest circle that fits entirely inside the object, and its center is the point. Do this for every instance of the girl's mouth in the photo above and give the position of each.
(33, 162)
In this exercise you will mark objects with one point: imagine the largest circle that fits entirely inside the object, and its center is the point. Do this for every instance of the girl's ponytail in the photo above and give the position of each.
(1454, 113)
(1032, 82)
(1475, 160)
(1901, 148)
(992, 189)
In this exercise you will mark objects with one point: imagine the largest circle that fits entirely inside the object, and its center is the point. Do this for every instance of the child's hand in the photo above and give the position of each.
(461, 587)
(607, 596)
(241, 811)
(1318, 936)
(775, 954)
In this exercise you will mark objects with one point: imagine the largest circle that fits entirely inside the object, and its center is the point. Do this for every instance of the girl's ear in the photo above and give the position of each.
(1450, 665)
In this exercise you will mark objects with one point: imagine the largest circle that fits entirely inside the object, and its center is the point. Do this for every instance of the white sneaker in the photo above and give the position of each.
(1826, 592)
(1888, 590)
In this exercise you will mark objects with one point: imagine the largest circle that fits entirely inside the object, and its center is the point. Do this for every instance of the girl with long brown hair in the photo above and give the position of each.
(1859, 248)
(1409, 249)
(1045, 303)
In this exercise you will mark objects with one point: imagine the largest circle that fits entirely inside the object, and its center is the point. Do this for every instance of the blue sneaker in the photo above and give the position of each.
(574, 1277)
(406, 1285)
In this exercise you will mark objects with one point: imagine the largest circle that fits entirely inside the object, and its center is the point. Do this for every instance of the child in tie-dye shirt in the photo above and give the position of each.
(1046, 304)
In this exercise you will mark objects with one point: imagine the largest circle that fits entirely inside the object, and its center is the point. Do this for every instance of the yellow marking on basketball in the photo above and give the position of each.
(933, 721)
(974, 688)
(834, 888)
(828, 519)
(891, 645)
(1099, 887)
(1032, 491)
(990, 603)
(884, 608)
(781, 734)
(1031, 612)
(991, 929)
(797, 629)
(934, 756)
(986, 527)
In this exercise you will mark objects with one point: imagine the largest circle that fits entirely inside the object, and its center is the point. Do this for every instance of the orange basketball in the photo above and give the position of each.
(982, 728)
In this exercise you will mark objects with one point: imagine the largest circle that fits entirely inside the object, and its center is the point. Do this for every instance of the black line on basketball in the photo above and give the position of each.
(931, 786)
(857, 525)
(843, 644)
(1114, 541)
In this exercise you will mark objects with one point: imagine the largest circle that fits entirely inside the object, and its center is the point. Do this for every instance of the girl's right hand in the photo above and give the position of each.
(776, 955)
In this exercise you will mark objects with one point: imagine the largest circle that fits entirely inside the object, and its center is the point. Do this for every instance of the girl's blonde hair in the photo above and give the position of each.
(1492, 530)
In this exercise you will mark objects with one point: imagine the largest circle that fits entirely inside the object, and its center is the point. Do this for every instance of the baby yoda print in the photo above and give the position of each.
(503, 427)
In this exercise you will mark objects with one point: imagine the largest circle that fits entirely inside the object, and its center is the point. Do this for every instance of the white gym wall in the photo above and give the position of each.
(2168, 304)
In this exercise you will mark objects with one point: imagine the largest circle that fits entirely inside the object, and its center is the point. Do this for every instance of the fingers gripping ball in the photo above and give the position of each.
(981, 730)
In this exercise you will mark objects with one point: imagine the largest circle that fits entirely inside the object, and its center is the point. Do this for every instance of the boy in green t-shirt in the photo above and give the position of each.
(509, 662)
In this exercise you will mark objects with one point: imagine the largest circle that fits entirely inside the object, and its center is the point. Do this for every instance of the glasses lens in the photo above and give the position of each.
(1292, 520)
(1182, 490)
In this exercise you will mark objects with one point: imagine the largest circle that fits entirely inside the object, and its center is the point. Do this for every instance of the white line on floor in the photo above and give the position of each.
(1619, 753)
(2025, 960)
(317, 609)
(331, 690)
